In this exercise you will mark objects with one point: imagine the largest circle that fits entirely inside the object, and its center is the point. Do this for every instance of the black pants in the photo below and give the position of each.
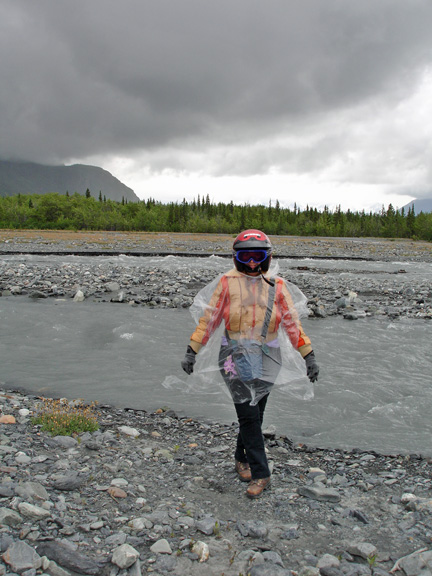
(250, 440)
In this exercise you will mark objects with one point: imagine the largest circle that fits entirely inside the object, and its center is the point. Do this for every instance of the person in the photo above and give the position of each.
(258, 314)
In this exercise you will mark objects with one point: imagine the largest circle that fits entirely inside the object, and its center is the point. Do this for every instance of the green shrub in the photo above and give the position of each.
(64, 418)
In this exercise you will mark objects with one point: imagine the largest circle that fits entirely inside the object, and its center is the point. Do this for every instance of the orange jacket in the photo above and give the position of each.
(241, 302)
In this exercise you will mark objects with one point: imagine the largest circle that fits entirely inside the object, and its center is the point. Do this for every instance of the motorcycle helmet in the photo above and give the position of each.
(252, 245)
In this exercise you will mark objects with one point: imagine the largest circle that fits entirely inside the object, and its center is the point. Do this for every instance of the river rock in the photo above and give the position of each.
(7, 489)
(112, 286)
(418, 563)
(206, 525)
(69, 481)
(10, 517)
(319, 492)
(363, 550)
(124, 556)
(22, 458)
(68, 557)
(21, 557)
(269, 569)
(65, 441)
(351, 315)
(274, 557)
(33, 512)
(5, 541)
(201, 549)
(310, 571)
(32, 491)
(161, 547)
(328, 561)
(79, 296)
(116, 492)
(37, 294)
(253, 528)
(129, 431)
(119, 482)
(7, 419)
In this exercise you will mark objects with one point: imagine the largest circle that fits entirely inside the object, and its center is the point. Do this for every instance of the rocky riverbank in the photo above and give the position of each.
(155, 493)
(103, 242)
(360, 292)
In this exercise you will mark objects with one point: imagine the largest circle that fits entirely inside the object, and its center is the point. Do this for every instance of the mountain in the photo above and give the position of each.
(420, 205)
(29, 178)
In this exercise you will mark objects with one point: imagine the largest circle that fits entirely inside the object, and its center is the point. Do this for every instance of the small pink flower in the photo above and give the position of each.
(229, 367)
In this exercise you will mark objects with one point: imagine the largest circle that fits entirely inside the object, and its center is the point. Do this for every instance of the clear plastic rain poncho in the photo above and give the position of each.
(249, 333)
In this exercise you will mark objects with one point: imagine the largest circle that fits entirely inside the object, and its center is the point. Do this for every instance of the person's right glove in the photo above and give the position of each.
(312, 368)
(189, 360)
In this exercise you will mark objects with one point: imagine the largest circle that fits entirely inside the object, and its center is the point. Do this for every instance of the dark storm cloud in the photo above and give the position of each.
(102, 77)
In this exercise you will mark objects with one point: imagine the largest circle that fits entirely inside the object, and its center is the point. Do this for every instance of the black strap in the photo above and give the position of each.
(270, 303)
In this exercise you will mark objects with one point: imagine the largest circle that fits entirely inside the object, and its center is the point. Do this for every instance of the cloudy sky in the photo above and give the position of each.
(319, 102)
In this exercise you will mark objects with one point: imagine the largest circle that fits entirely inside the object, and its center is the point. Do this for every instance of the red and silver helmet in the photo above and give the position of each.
(252, 245)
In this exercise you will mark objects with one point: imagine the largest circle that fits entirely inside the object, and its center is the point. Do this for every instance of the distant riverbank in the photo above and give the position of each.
(28, 241)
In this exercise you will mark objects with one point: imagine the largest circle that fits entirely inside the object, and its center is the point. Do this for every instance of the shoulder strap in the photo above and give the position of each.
(270, 303)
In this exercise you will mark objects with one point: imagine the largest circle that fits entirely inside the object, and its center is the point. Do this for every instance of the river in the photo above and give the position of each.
(374, 390)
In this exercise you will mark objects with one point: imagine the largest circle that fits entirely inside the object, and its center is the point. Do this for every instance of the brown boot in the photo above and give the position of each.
(243, 470)
(257, 487)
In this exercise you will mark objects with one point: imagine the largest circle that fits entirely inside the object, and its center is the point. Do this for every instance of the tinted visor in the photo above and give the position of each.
(245, 256)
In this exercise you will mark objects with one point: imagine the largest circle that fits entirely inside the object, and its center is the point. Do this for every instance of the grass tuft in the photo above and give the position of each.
(64, 418)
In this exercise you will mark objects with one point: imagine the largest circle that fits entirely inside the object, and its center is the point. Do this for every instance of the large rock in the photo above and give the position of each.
(5, 541)
(33, 512)
(112, 286)
(417, 563)
(162, 546)
(124, 556)
(319, 492)
(65, 441)
(9, 517)
(7, 489)
(364, 550)
(32, 491)
(269, 569)
(129, 431)
(79, 296)
(21, 557)
(206, 525)
(68, 557)
(69, 481)
(7, 419)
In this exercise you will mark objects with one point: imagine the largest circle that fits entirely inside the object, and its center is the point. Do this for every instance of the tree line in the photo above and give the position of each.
(84, 212)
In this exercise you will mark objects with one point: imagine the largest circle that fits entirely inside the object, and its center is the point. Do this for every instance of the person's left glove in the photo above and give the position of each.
(189, 360)
(312, 368)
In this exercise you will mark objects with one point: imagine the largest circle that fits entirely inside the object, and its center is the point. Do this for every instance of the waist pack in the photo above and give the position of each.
(247, 356)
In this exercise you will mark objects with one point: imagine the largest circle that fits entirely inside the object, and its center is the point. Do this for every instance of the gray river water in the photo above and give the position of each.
(374, 390)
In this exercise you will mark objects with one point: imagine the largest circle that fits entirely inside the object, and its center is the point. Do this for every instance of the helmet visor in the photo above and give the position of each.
(257, 256)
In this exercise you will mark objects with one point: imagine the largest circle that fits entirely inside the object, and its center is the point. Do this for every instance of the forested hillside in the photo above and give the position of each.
(75, 212)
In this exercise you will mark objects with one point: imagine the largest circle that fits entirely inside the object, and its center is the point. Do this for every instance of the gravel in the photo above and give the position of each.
(358, 293)
(166, 500)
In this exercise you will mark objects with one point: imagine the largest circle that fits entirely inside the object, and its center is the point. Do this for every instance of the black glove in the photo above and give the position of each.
(189, 360)
(311, 367)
